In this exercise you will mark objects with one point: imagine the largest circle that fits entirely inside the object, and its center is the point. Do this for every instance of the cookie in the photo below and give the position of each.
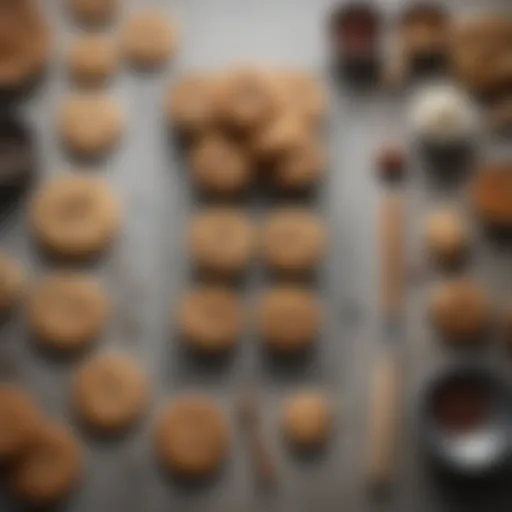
(304, 95)
(276, 139)
(92, 60)
(22, 58)
(75, 216)
(248, 98)
(51, 469)
(19, 423)
(191, 104)
(110, 393)
(491, 195)
(67, 310)
(293, 241)
(211, 320)
(94, 11)
(301, 168)
(221, 241)
(12, 282)
(219, 167)
(446, 237)
(460, 311)
(150, 38)
(307, 420)
(90, 124)
(192, 436)
(289, 319)
(18, 164)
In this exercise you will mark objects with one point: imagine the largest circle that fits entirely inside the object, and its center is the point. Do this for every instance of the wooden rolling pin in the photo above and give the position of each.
(385, 385)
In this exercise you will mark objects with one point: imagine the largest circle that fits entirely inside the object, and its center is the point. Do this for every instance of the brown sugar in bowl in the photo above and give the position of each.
(491, 195)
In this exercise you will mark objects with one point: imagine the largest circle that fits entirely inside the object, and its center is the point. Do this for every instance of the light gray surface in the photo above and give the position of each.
(149, 177)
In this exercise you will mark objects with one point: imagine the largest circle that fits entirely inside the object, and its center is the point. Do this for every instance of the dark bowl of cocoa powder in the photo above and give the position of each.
(466, 419)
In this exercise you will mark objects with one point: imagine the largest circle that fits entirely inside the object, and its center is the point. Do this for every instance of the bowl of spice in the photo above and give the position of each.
(466, 419)
(355, 36)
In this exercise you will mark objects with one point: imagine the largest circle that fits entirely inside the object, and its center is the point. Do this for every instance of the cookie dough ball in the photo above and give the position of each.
(491, 195)
(221, 241)
(289, 319)
(51, 469)
(219, 167)
(90, 124)
(75, 216)
(11, 282)
(446, 237)
(307, 420)
(94, 11)
(150, 38)
(67, 310)
(279, 137)
(293, 241)
(300, 168)
(249, 97)
(192, 437)
(92, 60)
(191, 104)
(110, 393)
(19, 422)
(304, 95)
(211, 320)
(460, 311)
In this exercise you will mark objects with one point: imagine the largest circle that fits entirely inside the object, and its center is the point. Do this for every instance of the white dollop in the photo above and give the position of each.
(442, 113)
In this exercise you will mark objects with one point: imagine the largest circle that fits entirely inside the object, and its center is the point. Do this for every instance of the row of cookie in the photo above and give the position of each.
(248, 123)
(222, 241)
(44, 461)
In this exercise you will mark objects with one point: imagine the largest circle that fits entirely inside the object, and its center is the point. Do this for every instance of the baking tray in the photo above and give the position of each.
(148, 271)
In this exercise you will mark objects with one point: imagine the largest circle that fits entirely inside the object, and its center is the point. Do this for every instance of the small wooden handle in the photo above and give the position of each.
(383, 422)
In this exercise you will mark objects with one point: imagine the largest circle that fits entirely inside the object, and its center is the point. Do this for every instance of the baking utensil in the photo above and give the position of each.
(385, 385)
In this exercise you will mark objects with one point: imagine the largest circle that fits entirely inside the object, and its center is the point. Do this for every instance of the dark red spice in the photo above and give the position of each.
(462, 406)
(390, 161)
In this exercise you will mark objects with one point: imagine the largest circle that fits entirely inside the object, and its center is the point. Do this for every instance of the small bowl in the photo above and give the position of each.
(473, 439)
(354, 31)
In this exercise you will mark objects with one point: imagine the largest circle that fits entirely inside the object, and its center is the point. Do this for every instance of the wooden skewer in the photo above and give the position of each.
(261, 456)
(386, 382)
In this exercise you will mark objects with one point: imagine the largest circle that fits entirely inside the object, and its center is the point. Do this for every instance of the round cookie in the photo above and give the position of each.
(219, 168)
(191, 104)
(19, 422)
(192, 436)
(11, 282)
(304, 95)
(289, 319)
(51, 469)
(276, 139)
(293, 240)
(90, 124)
(221, 241)
(22, 58)
(67, 311)
(300, 168)
(446, 237)
(249, 97)
(94, 11)
(460, 311)
(110, 393)
(211, 319)
(92, 60)
(491, 195)
(75, 216)
(150, 38)
(307, 420)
